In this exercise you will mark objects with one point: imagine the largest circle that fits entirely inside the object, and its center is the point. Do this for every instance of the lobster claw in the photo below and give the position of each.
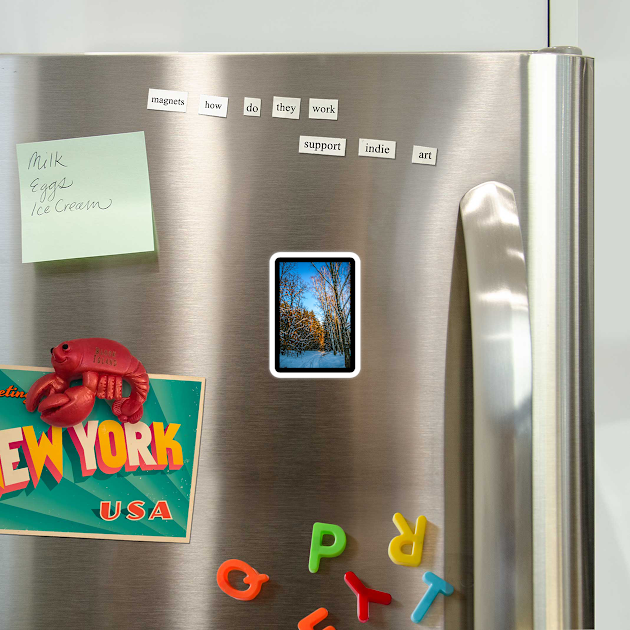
(127, 410)
(68, 408)
(43, 386)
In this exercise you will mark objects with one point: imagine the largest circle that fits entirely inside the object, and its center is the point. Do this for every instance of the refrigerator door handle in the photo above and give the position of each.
(502, 375)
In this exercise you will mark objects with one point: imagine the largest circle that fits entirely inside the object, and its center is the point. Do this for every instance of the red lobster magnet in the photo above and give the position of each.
(102, 364)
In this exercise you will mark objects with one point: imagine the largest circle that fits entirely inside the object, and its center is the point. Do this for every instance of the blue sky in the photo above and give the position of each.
(306, 271)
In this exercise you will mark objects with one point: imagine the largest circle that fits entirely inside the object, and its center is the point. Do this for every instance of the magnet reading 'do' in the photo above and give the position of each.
(102, 364)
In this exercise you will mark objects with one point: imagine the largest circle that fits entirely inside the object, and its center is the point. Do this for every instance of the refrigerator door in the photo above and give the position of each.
(278, 455)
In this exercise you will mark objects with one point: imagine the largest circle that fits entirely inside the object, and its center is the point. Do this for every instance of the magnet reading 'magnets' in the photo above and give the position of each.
(102, 364)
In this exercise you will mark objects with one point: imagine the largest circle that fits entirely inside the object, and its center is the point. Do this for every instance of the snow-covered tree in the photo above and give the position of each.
(296, 334)
(332, 286)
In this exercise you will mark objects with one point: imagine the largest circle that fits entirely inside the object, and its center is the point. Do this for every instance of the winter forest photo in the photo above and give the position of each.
(315, 314)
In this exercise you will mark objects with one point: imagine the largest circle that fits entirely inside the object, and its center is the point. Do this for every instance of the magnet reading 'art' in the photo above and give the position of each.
(252, 577)
(319, 550)
(102, 364)
(407, 537)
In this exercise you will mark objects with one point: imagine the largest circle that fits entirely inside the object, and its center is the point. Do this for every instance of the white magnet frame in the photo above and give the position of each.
(357, 314)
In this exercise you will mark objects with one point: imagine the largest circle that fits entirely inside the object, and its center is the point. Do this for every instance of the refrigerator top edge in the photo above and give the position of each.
(419, 53)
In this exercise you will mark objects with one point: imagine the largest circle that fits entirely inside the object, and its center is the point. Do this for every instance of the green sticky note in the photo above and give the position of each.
(85, 197)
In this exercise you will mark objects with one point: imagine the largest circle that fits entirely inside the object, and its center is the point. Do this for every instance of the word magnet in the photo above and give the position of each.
(407, 537)
(252, 577)
(213, 105)
(323, 108)
(424, 155)
(285, 107)
(319, 550)
(167, 100)
(377, 148)
(251, 106)
(322, 146)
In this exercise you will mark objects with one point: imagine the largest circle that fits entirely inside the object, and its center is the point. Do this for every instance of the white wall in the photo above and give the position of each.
(603, 29)
(283, 25)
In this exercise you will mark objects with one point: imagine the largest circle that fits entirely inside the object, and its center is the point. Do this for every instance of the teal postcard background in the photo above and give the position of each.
(72, 505)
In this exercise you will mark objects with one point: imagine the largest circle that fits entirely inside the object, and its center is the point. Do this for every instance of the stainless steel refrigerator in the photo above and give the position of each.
(473, 405)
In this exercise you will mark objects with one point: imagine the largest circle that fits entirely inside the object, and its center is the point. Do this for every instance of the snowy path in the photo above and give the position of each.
(313, 359)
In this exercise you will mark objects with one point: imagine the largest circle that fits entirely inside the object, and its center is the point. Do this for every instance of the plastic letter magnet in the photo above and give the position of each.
(365, 596)
(436, 586)
(319, 551)
(308, 623)
(407, 537)
(252, 577)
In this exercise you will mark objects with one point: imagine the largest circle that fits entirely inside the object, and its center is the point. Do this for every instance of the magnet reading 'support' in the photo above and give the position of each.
(102, 364)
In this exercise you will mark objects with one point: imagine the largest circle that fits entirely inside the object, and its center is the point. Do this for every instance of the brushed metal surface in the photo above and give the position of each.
(276, 454)
(502, 372)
